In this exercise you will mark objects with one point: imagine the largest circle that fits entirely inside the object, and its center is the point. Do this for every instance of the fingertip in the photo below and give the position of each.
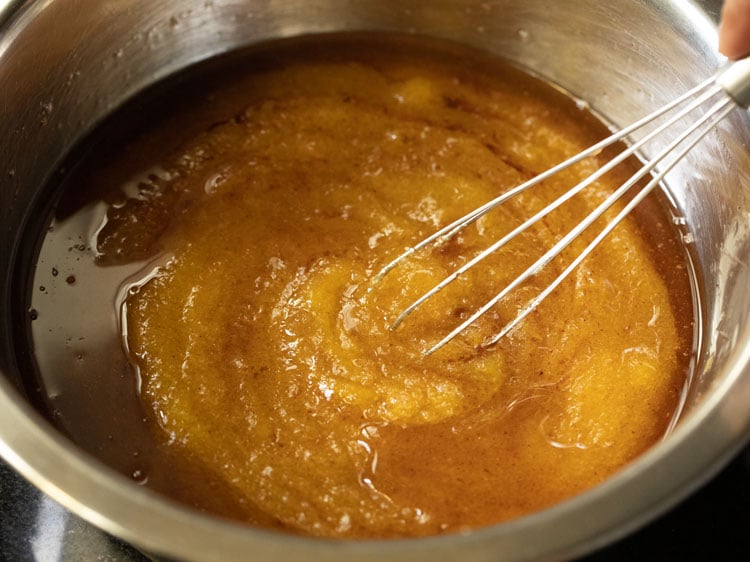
(734, 29)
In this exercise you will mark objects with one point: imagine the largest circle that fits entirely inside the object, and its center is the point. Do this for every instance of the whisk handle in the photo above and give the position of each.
(735, 80)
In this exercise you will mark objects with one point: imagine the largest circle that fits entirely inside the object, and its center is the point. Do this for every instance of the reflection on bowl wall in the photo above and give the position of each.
(623, 58)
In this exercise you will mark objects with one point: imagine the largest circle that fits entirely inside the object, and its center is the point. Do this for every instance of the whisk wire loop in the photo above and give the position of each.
(734, 91)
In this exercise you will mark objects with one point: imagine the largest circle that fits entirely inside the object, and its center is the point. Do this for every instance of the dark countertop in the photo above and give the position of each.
(713, 524)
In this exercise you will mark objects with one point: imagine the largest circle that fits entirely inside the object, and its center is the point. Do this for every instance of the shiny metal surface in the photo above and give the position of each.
(736, 81)
(8, 7)
(626, 58)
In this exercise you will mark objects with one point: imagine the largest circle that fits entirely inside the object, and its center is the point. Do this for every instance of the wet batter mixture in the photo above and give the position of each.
(263, 352)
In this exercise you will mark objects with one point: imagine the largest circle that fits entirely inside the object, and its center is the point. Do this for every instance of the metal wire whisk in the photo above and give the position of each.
(731, 85)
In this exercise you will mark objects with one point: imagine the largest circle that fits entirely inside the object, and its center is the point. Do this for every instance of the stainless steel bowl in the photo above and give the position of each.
(65, 64)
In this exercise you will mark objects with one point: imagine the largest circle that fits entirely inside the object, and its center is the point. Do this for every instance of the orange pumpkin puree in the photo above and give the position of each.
(265, 352)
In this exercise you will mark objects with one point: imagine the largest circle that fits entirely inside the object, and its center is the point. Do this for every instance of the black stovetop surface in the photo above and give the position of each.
(713, 524)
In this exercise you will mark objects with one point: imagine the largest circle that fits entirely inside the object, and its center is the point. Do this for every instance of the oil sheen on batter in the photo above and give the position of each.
(265, 356)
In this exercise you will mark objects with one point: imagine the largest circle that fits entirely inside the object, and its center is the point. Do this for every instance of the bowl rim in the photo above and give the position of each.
(697, 449)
